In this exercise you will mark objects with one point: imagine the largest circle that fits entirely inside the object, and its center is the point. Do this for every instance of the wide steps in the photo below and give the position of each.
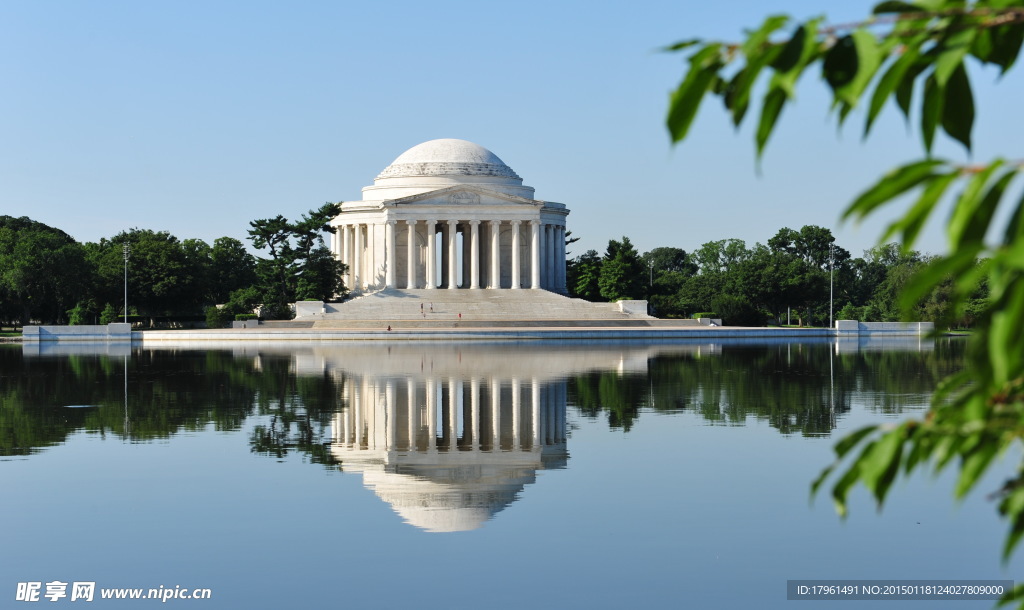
(477, 324)
(441, 306)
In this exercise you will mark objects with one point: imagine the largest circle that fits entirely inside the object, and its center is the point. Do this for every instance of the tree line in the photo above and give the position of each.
(47, 276)
(789, 278)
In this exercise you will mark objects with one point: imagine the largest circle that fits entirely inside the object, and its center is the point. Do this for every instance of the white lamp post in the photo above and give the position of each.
(831, 272)
(127, 250)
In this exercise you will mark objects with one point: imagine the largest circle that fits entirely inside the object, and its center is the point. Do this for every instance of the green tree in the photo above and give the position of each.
(109, 314)
(165, 275)
(930, 44)
(231, 268)
(43, 270)
(583, 275)
(622, 272)
(300, 265)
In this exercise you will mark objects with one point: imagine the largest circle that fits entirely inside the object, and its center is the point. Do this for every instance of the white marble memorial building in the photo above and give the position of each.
(449, 214)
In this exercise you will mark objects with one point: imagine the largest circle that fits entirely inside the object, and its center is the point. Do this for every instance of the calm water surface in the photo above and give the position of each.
(474, 476)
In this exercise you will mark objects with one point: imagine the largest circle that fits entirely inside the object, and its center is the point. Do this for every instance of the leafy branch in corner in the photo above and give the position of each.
(923, 46)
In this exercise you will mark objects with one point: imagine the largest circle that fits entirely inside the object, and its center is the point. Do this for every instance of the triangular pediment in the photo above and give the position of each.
(461, 194)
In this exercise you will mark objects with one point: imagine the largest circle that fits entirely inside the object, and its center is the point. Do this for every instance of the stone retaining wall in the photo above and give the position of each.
(853, 327)
(117, 331)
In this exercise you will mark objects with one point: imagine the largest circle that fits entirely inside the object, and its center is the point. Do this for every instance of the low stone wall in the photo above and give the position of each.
(632, 307)
(118, 331)
(853, 327)
(309, 308)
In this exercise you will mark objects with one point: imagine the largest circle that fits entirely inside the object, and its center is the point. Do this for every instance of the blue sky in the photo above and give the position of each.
(197, 117)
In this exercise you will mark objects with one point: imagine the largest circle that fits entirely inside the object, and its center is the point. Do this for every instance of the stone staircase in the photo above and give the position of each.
(505, 308)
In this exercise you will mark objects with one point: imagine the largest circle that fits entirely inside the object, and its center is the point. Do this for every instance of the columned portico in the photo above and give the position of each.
(390, 238)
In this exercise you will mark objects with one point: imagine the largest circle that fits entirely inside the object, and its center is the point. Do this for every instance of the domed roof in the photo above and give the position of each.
(447, 157)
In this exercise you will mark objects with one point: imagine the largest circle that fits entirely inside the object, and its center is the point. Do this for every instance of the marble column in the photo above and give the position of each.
(495, 415)
(474, 407)
(535, 254)
(560, 261)
(431, 254)
(495, 254)
(474, 254)
(390, 416)
(431, 414)
(442, 270)
(357, 407)
(346, 256)
(516, 406)
(410, 272)
(535, 411)
(412, 412)
(453, 415)
(516, 270)
(357, 257)
(453, 270)
(549, 258)
(389, 263)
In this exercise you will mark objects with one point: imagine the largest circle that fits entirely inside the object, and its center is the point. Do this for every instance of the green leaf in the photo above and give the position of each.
(974, 465)
(816, 484)
(978, 224)
(982, 46)
(913, 221)
(1014, 594)
(794, 57)
(962, 227)
(682, 44)
(685, 101)
(931, 111)
(852, 439)
(893, 7)
(878, 466)
(919, 452)
(1015, 228)
(754, 44)
(892, 77)
(952, 51)
(1016, 531)
(840, 64)
(1006, 44)
(770, 111)
(869, 58)
(934, 273)
(893, 184)
(905, 88)
(737, 96)
(958, 107)
(842, 487)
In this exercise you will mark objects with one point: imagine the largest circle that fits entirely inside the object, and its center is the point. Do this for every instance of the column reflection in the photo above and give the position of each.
(449, 452)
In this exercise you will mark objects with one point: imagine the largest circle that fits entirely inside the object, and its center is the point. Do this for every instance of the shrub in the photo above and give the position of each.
(108, 315)
(737, 311)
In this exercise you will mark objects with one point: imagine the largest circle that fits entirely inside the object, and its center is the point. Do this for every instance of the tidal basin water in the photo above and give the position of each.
(469, 476)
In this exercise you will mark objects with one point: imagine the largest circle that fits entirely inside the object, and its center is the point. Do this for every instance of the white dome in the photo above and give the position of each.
(447, 157)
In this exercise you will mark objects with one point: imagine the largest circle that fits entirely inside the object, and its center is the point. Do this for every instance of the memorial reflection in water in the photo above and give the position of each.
(450, 446)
